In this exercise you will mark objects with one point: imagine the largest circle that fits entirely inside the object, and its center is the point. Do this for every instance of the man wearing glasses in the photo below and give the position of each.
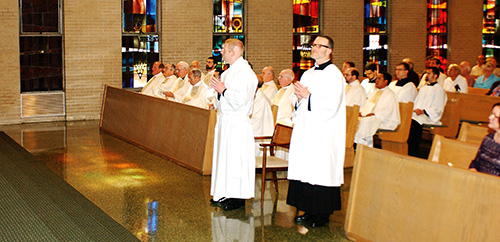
(316, 164)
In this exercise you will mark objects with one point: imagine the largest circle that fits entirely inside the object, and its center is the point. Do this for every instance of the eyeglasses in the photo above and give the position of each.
(320, 45)
(492, 114)
(400, 69)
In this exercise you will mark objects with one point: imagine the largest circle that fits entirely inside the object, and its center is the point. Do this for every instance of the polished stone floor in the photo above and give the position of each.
(157, 200)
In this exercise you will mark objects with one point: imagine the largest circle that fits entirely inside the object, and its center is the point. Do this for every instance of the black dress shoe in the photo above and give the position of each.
(319, 221)
(219, 203)
(303, 218)
(233, 203)
(212, 201)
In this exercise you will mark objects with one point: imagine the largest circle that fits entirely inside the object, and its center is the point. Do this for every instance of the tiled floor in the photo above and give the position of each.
(157, 200)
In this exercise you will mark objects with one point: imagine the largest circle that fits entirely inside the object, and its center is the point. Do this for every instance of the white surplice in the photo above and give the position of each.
(270, 89)
(355, 94)
(233, 163)
(386, 111)
(369, 87)
(155, 81)
(283, 99)
(432, 99)
(318, 139)
(406, 93)
(195, 95)
(440, 81)
(262, 116)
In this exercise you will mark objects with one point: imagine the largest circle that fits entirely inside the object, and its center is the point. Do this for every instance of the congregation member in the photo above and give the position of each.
(486, 160)
(478, 70)
(433, 62)
(269, 88)
(380, 111)
(354, 93)
(487, 80)
(316, 163)
(494, 61)
(427, 109)
(196, 94)
(157, 71)
(455, 82)
(347, 64)
(371, 72)
(465, 72)
(283, 99)
(233, 166)
(166, 84)
(412, 75)
(403, 87)
(180, 85)
(210, 66)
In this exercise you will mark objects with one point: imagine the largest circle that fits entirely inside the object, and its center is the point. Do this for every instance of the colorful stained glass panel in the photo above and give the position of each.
(139, 16)
(306, 16)
(437, 16)
(228, 16)
(375, 18)
(138, 55)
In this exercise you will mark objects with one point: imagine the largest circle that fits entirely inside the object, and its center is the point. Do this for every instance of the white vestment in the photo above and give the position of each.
(262, 116)
(155, 81)
(270, 89)
(195, 95)
(440, 81)
(406, 93)
(386, 110)
(233, 163)
(432, 99)
(355, 94)
(283, 99)
(164, 86)
(369, 87)
(317, 145)
(179, 87)
(449, 85)
(208, 76)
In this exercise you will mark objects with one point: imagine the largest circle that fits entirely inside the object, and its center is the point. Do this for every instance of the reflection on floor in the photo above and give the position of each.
(157, 200)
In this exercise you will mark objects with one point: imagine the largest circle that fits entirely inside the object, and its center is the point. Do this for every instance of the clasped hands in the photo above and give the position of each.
(217, 85)
(300, 90)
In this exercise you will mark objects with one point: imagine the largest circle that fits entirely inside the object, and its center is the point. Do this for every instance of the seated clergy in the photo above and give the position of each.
(283, 99)
(380, 111)
(167, 83)
(455, 82)
(157, 78)
(403, 87)
(371, 71)
(427, 109)
(269, 88)
(354, 93)
(196, 93)
(433, 62)
(262, 116)
(181, 84)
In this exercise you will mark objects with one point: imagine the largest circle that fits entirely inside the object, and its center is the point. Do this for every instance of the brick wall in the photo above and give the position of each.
(186, 30)
(343, 21)
(10, 111)
(465, 23)
(269, 36)
(92, 55)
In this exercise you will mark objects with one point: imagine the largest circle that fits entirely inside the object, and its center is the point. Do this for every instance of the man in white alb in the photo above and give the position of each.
(181, 84)
(166, 84)
(157, 78)
(196, 94)
(283, 99)
(233, 163)
(371, 71)
(433, 62)
(354, 93)
(403, 87)
(210, 68)
(269, 88)
(381, 111)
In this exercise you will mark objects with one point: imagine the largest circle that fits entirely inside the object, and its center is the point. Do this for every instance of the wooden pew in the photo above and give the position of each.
(452, 152)
(475, 108)
(182, 133)
(477, 91)
(400, 198)
(351, 128)
(472, 133)
(396, 140)
(450, 120)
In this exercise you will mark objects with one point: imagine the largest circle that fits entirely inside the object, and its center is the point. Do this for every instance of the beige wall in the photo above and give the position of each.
(92, 41)
(10, 107)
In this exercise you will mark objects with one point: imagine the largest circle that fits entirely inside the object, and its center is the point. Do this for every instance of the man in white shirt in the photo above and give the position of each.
(371, 71)
(455, 82)
(210, 68)
(269, 88)
(157, 78)
(403, 87)
(354, 93)
(427, 109)
(181, 83)
(283, 99)
(262, 116)
(478, 70)
(380, 111)
(167, 83)
(434, 62)
(196, 94)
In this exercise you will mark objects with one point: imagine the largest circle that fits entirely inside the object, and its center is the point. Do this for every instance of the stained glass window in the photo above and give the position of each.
(491, 22)
(437, 18)
(375, 40)
(140, 42)
(305, 29)
(228, 22)
(40, 46)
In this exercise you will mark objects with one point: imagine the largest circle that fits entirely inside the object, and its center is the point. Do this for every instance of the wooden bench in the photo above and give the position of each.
(472, 133)
(477, 91)
(400, 198)
(474, 108)
(352, 114)
(182, 133)
(452, 152)
(396, 140)
(450, 120)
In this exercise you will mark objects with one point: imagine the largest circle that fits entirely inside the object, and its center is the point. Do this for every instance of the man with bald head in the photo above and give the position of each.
(465, 72)
(455, 82)
(156, 80)
(181, 84)
(283, 99)
(233, 162)
(478, 70)
(269, 88)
